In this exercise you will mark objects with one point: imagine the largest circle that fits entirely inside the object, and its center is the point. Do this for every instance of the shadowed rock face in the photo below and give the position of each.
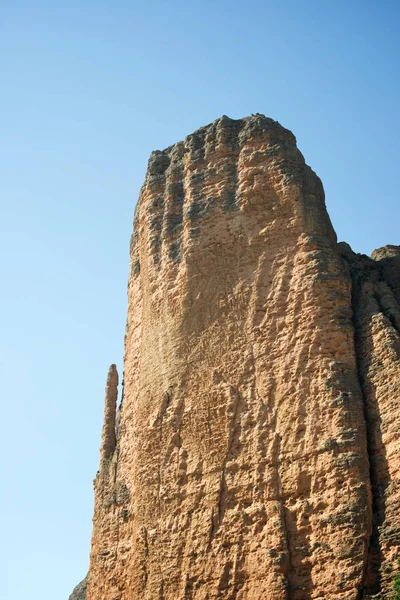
(255, 455)
(79, 592)
(376, 293)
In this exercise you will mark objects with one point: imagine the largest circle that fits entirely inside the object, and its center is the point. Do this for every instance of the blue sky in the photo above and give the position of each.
(88, 90)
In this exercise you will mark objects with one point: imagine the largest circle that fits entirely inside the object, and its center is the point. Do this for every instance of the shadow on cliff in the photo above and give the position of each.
(297, 533)
(380, 480)
(366, 277)
(379, 469)
(300, 583)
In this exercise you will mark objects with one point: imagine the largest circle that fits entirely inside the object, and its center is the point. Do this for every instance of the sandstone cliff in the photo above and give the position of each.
(256, 448)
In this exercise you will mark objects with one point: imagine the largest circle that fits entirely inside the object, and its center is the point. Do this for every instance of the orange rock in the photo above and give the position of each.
(377, 319)
(241, 466)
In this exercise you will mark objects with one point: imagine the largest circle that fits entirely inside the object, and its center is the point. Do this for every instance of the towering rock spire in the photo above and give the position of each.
(250, 399)
(108, 438)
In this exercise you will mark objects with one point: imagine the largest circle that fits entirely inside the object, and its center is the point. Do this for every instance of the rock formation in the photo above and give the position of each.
(109, 434)
(79, 592)
(256, 450)
(376, 309)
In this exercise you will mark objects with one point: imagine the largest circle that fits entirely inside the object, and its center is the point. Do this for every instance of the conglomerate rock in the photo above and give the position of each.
(256, 448)
(376, 293)
(109, 433)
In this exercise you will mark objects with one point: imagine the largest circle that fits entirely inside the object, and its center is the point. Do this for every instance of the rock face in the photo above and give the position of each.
(256, 448)
(79, 592)
(109, 434)
(376, 298)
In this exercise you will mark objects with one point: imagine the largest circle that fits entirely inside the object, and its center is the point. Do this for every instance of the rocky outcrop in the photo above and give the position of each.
(377, 322)
(256, 449)
(109, 438)
(79, 592)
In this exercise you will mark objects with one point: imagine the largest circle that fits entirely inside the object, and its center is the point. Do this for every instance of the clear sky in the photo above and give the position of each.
(88, 90)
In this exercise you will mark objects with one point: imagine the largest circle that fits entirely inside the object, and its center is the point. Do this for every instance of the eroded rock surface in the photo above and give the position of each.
(376, 289)
(251, 406)
(79, 592)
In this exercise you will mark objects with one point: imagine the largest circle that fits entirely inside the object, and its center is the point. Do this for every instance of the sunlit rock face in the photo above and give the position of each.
(255, 448)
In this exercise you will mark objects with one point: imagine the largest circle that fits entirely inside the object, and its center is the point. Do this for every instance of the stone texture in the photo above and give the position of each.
(377, 318)
(241, 467)
(109, 438)
(79, 592)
